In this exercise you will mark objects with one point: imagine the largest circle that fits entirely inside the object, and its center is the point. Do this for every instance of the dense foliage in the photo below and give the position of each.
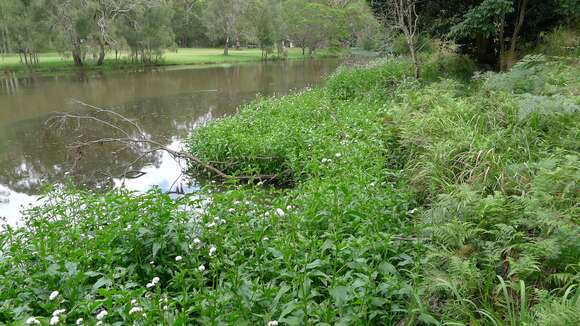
(412, 202)
(91, 30)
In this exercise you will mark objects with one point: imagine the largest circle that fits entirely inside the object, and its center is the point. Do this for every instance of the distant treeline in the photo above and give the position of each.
(93, 29)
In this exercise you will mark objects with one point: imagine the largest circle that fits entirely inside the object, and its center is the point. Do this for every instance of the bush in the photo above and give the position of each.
(375, 80)
(562, 41)
(449, 65)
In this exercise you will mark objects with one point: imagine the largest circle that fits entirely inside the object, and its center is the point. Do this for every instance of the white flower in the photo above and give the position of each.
(266, 239)
(149, 285)
(201, 268)
(79, 321)
(212, 250)
(32, 321)
(129, 226)
(53, 320)
(231, 210)
(53, 295)
(280, 212)
(102, 314)
(178, 258)
(211, 225)
(165, 307)
(338, 155)
(267, 214)
(247, 202)
(237, 202)
(196, 241)
(412, 211)
(57, 312)
(155, 280)
(273, 323)
(135, 310)
(289, 207)
(151, 263)
(133, 302)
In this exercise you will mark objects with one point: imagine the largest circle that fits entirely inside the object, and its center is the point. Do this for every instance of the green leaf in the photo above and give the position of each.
(103, 281)
(387, 268)
(340, 295)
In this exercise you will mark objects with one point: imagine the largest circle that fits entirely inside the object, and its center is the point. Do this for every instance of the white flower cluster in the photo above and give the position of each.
(53, 295)
(154, 281)
(212, 250)
(100, 316)
(280, 212)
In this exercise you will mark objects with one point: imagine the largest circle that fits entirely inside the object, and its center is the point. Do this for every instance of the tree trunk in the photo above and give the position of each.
(413, 51)
(226, 46)
(78, 60)
(511, 54)
(101, 58)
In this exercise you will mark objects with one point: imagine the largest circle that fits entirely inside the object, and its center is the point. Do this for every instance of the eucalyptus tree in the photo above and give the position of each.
(268, 25)
(107, 13)
(224, 20)
(73, 26)
(147, 29)
(187, 23)
(311, 24)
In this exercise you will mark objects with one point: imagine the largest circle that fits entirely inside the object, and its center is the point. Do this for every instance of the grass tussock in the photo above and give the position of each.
(416, 203)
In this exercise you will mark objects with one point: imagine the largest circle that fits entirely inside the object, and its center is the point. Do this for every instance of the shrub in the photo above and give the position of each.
(449, 65)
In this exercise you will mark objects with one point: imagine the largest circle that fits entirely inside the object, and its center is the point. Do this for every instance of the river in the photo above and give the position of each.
(167, 103)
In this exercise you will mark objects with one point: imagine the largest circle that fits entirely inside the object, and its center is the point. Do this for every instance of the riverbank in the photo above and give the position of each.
(54, 63)
(393, 202)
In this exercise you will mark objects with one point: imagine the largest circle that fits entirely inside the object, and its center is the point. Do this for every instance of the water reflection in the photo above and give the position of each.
(168, 104)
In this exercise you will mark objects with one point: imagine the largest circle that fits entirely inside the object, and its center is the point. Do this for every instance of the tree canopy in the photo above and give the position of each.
(89, 30)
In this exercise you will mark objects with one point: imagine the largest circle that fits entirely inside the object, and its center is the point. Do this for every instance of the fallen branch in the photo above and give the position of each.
(132, 136)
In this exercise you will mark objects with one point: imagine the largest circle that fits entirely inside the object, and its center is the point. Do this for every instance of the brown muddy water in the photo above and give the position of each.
(167, 103)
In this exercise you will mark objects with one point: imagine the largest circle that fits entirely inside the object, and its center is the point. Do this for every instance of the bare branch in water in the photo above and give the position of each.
(131, 135)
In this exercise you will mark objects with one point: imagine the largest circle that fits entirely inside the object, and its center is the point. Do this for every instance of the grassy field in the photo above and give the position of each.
(55, 62)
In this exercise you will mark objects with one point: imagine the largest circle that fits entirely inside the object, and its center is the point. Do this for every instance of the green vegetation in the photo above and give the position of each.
(397, 201)
(97, 32)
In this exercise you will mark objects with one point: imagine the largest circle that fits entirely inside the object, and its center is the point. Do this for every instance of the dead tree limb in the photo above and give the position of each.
(131, 136)
(402, 15)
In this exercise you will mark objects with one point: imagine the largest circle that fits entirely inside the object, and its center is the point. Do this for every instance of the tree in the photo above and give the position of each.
(147, 30)
(223, 20)
(73, 26)
(187, 24)
(488, 19)
(23, 28)
(312, 24)
(402, 15)
(268, 25)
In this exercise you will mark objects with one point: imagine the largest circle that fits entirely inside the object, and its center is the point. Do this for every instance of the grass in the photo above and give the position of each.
(54, 62)
(444, 201)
